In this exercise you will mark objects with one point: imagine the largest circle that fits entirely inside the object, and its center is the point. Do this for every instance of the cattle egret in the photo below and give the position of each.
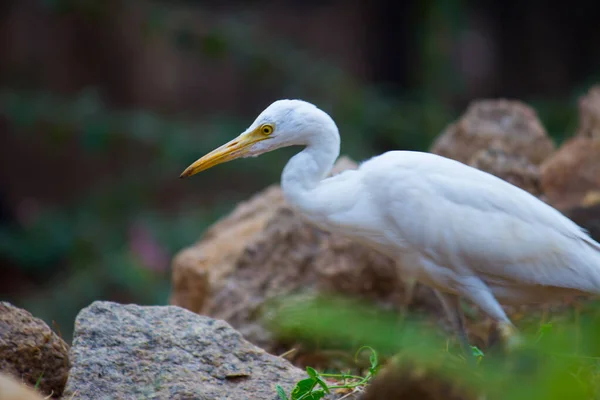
(460, 230)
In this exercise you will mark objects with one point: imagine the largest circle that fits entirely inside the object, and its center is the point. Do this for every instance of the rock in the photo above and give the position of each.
(400, 382)
(513, 168)
(511, 126)
(570, 174)
(166, 352)
(264, 249)
(11, 389)
(214, 256)
(31, 351)
(570, 178)
(589, 114)
(591, 199)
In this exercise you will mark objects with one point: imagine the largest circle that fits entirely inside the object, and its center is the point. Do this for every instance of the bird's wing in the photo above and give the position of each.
(463, 218)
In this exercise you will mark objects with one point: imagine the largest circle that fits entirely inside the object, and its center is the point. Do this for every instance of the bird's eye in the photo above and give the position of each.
(267, 129)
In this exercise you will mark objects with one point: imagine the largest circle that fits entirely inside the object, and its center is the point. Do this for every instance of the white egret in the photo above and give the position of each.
(460, 230)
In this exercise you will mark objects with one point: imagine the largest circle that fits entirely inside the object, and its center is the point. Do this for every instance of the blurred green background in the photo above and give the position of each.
(104, 103)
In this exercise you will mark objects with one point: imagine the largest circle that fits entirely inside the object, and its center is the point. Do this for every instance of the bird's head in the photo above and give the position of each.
(284, 123)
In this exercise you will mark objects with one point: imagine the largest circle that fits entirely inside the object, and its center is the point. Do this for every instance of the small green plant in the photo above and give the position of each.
(315, 387)
(38, 381)
(556, 360)
(477, 353)
(543, 330)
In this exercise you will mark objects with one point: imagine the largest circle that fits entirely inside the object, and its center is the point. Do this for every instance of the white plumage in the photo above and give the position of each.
(460, 230)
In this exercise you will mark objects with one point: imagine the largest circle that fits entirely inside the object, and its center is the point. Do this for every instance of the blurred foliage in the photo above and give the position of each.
(86, 250)
(559, 360)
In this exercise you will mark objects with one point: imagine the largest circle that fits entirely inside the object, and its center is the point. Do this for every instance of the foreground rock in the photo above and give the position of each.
(11, 389)
(510, 126)
(405, 381)
(130, 351)
(30, 351)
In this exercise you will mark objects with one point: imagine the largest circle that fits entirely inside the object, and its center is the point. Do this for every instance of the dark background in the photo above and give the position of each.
(104, 103)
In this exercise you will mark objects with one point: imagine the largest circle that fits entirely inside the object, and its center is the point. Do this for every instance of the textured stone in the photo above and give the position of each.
(511, 126)
(31, 351)
(167, 352)
(11, 389)
(198, 269)
(589, 114)
(570, 174)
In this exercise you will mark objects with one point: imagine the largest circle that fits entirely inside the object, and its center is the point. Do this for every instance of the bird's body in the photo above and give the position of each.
(447, 223)
(462, 231)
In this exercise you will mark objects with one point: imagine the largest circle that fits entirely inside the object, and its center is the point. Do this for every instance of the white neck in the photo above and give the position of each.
(304, 171)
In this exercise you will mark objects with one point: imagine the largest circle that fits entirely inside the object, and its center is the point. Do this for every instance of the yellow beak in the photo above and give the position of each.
(229, 151)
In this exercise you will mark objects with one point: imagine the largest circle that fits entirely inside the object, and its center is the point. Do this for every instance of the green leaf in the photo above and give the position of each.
(543, 330)
(476, 352)
(281, 393)
(311, 372)
(374, 359)
(303, 387)
(314, 395)
(39, 380)
(318, 378)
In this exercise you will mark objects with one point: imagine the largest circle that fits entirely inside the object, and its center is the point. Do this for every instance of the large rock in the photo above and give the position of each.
(511, 126)
(11, 389)
(589, 114)
(166, 352)
(198, 270)
(264, 249)
(571, 175)
(31, 351)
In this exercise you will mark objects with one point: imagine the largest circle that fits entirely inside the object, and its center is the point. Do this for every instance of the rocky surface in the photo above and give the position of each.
(11, 389)
(130, 351)
(572, 172)
(589, 114)
(31, 351)
(571, 176)
(510, 126)
(199, 269)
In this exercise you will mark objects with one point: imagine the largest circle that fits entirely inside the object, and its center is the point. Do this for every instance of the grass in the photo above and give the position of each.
(559, 359)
